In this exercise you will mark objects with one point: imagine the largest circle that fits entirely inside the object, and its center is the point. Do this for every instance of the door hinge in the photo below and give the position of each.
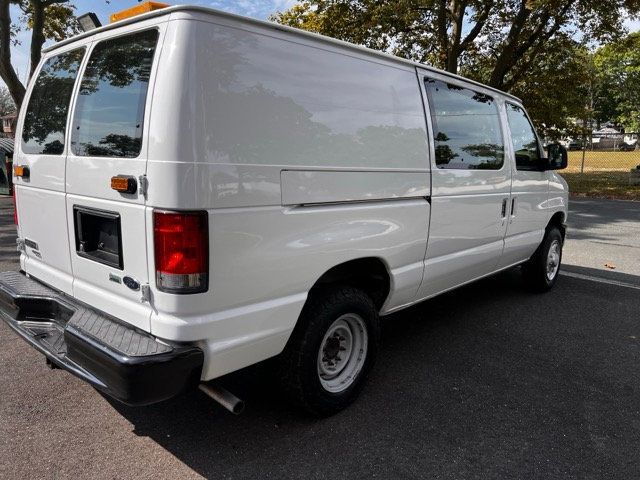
(144, 185)
(145, 290)
(20, 245)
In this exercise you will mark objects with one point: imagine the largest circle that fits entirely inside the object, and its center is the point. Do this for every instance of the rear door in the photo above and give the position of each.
(106, 226)
(40, 191)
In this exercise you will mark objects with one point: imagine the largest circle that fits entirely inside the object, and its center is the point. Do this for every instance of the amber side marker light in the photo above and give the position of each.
(137, 10)
(21, 171)
(124, 184)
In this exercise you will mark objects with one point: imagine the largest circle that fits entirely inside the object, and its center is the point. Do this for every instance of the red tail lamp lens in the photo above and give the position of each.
(181, 241)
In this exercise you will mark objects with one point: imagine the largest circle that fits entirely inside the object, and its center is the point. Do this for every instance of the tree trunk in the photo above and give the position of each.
(37, 35)
(7, 72)
(507, 57)
(456, 12)
(443, 39)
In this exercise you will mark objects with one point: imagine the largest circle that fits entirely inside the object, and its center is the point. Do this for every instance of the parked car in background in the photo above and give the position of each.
(575, 144)
(628, 147)
(197, 192)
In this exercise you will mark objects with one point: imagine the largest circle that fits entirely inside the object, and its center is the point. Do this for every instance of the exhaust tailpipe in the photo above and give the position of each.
(224, 397)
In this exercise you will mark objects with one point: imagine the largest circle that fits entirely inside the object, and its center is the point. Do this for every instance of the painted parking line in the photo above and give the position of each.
(599, 279)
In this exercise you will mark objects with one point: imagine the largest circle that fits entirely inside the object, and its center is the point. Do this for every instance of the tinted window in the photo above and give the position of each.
(110, 106)
(46, 118)
(525, 143)
(466, 126)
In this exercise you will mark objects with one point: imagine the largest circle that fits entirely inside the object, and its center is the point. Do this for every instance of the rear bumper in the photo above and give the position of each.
(127, 364)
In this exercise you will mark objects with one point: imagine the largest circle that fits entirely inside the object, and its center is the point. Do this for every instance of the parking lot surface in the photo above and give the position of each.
(604, 236)
(488, 381)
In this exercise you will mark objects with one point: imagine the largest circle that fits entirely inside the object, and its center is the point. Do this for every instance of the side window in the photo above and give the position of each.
(523, 136)
(109, 112)
(45, 121)
(466, 127)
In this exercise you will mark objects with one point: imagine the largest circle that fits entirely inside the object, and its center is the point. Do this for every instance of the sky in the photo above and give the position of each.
(103, 8)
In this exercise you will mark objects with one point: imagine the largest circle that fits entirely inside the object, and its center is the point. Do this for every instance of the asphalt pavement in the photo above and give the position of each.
(604, 236)
(489, 381)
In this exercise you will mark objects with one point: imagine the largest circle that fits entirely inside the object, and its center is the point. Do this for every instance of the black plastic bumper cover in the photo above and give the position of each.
(126, 363)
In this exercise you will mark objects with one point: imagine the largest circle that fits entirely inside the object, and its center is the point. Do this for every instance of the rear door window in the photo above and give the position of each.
(45, 121)
(109, 112)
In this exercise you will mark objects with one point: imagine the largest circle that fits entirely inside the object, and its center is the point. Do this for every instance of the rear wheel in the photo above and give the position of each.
(541, 270)
(331, 350)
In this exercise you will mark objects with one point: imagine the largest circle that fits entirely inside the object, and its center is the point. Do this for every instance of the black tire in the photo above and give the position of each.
(298, 365)
(535, 269)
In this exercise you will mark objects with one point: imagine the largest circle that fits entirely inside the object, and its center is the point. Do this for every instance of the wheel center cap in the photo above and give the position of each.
(332, 347)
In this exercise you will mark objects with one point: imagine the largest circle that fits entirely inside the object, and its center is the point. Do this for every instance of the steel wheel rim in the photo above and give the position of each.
(342, 353)
(553, 260)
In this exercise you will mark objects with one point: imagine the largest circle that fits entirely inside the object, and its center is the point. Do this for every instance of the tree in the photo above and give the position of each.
(448, 33)
(6, 102)
(555, 88)
(617, 97)
(47, 19)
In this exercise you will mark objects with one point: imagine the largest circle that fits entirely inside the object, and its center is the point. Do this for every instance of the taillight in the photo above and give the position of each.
(181, 241)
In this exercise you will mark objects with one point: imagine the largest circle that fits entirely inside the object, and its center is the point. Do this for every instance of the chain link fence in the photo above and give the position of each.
(614, 152)
(605, 164)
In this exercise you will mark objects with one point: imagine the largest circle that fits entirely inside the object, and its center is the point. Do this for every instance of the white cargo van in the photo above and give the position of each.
(197, 192)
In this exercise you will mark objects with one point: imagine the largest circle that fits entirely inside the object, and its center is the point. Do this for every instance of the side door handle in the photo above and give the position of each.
(504, 209)
(513, 208)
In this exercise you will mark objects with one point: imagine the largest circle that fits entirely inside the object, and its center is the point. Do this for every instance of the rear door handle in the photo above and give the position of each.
(504, 208)
(513, 207)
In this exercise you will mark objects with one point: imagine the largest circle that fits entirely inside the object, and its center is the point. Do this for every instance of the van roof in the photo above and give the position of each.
(273, 26)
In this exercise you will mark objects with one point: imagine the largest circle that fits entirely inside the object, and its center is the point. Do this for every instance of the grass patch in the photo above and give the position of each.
(606, 174)
(603, 184)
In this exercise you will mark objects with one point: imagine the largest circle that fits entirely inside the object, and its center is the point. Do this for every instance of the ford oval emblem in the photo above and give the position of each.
(131, 283)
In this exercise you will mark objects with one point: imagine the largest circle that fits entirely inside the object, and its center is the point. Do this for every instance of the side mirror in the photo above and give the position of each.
(557, 157)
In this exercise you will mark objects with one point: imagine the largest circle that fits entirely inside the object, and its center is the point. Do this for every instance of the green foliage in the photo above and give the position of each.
(556, 89)
(617, 96)
(47, 20)
(59, 20)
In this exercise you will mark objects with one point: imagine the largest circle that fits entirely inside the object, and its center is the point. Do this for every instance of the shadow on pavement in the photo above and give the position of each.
(588, 218)
(486, 381)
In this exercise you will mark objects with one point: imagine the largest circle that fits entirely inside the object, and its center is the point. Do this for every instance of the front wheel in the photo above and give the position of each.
(541, 270)
(330, 351)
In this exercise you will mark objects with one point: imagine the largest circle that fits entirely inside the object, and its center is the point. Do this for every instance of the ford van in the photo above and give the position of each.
(197, 192)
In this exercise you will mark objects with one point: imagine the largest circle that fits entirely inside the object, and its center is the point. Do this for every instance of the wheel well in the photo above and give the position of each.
(557, 220)
(368, 274)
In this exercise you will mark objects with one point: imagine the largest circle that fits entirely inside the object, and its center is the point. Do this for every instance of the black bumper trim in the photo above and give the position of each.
(122, 361)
